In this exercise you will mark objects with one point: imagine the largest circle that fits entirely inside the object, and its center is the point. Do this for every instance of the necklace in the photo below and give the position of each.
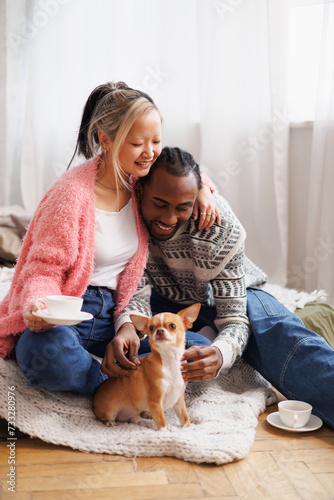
(113, 189)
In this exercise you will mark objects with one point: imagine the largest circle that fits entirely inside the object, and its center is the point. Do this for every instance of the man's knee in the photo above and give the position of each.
(195, 339)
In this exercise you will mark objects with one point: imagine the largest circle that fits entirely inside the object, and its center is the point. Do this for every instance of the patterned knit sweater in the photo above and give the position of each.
(208, 267)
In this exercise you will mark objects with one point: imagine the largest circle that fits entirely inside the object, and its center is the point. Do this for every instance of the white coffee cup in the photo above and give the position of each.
(294, 414)
(61, 306)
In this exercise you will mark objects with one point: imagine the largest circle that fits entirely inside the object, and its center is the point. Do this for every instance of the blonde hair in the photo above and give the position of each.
(112, 108)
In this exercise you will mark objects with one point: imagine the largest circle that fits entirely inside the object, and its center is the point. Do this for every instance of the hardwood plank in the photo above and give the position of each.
(271, 477)
(319, 467)
(177, 471)
(44, 453)
(116, 458)
(47, 483)
(9, 495)
(279, 465)
(288, 442)
(222, 496)
(244, 481)
(68, 469)
(265, 431)
(167, 492)
(306, 484)
(317, 455)
(327, 480)
(264, 428)
(214, 480)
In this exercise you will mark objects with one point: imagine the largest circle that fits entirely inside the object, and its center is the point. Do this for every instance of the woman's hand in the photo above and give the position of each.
(34, 323)
(125, 341)
(206, 209)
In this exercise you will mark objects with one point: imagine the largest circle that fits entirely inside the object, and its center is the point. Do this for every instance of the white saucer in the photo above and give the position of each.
(81, 316)
(312, 425)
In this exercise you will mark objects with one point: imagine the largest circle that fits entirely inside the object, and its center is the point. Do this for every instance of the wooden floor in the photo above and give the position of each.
(280, 465)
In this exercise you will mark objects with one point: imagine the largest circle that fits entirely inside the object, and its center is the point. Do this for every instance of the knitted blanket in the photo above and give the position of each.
(293, 299)
(223, 413)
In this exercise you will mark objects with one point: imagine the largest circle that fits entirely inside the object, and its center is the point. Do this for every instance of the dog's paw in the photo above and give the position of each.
(109, 423)
(146, 414)
(135, 420)
(187, 424)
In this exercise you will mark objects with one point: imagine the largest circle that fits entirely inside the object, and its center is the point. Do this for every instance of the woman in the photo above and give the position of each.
(86, 239)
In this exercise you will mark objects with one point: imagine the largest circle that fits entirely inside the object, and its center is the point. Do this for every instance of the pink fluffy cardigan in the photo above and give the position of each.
(57, 255)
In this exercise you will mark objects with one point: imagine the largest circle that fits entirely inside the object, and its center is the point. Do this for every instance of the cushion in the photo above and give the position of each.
(21, 223)
(10, 244)
(319, 318)
(7, 211)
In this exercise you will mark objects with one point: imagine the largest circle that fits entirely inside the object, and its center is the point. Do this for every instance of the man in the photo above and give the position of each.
(187, 265)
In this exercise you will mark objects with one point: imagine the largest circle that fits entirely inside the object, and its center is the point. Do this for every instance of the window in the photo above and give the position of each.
(306, 30)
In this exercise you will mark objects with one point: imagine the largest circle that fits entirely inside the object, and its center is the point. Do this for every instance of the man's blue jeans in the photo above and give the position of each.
(60, 360)
(296, 361)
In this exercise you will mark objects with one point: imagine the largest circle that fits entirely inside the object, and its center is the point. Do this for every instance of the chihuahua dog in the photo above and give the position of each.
(157, 384)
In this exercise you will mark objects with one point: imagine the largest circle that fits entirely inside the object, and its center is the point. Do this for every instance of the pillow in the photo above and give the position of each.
(10, 244)
(5, 214)
(319, 318)
(21, 223)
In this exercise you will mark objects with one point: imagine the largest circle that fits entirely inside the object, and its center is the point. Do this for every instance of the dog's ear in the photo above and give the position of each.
(189, 315)
(140, 322)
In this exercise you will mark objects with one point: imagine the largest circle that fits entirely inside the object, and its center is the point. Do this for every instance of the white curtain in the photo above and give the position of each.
(59, 50)
(216, 68)
(318, 266)
(13, 92)
(244, 125)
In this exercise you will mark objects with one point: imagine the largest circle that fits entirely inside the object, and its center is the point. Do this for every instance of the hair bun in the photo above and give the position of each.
(105, 110)
(118, 85)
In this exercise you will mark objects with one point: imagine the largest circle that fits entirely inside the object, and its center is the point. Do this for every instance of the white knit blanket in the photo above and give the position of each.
(292, 299)
(223, 413)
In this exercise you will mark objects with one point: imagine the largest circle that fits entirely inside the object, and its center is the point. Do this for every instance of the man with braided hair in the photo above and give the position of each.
(187, 265)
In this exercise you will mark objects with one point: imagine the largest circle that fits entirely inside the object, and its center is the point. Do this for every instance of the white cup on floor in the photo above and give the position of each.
(294, 414)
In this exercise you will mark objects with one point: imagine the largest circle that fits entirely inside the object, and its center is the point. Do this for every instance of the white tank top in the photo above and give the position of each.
(116, 241)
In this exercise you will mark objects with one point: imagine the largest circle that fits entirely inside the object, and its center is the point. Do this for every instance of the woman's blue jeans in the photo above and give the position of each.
(296, 361)
(59, 359)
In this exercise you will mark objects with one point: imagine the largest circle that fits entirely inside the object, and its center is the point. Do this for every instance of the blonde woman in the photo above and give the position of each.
(87, 239)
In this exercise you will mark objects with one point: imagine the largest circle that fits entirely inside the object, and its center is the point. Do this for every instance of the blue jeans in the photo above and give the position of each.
(206, 315)
(296, 361)
(60, 360)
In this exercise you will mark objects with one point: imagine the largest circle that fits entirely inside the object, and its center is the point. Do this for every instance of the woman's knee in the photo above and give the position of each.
(42, 356)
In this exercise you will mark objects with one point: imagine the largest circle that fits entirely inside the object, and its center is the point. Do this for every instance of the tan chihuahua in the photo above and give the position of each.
(157, 384)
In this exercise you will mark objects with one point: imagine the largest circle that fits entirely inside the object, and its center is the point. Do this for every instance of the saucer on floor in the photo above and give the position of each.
(81, 316)
(312, 425)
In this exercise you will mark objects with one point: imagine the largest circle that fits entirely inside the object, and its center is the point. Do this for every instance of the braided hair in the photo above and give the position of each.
(176, 162)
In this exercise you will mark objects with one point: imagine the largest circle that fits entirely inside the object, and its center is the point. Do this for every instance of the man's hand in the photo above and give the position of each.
(125, 341)
(206, 361)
